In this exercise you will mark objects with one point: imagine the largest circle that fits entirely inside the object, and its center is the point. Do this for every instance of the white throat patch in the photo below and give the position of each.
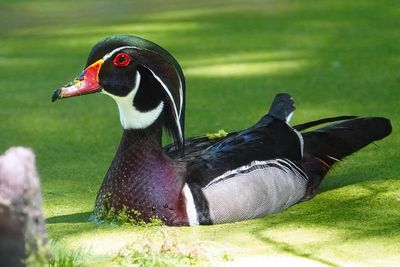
(130, 117)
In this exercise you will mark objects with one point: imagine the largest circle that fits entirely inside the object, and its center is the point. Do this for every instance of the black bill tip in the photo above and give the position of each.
(56, 95)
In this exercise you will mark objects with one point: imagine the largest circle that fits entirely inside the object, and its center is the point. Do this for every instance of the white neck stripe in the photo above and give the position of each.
(176, 115)
(181, 97)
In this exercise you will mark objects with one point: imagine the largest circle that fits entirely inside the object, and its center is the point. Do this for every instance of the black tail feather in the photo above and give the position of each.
(326, 146)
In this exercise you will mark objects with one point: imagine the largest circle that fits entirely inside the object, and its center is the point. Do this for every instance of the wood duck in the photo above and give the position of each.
(243, 175)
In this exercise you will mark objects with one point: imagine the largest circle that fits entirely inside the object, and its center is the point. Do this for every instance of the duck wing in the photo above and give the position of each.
(282, 108)
(194, 146)
(269, 138)
(278, 140)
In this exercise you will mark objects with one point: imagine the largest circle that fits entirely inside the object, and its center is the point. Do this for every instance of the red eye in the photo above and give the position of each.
(121, 60)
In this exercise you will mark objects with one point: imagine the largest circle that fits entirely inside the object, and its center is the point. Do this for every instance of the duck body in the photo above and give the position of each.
(181, 191)
(263, 169)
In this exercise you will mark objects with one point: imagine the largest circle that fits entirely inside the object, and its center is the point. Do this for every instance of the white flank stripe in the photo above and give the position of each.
(293, 166)
(190, 207)
(240, 169)
(256, 163)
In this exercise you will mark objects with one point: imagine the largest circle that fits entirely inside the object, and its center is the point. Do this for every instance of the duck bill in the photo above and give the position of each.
(86, 83)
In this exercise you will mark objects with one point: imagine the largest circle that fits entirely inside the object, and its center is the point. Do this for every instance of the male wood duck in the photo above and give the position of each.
(243, 175)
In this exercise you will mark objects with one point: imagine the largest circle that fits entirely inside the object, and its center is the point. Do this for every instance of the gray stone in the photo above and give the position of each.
(22, 227)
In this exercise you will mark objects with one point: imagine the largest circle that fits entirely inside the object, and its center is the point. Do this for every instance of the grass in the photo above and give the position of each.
(334, 57)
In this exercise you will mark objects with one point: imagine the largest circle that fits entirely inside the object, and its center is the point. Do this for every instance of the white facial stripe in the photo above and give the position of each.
(130, 117)
(110, 54)
(176, 115)
(181, 96)
(191, 211)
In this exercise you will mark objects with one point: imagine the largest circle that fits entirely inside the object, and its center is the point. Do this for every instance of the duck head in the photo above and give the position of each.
(146, 82)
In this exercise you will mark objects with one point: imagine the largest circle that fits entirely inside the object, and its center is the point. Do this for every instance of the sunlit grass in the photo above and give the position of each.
(334, 57)
(246, 69)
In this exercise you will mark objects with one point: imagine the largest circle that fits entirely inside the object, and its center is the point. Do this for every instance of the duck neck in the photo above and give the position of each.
(142, 139)
(143, 179)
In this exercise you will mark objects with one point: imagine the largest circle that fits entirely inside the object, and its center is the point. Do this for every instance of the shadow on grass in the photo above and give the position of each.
(81, 217)
(285, 247)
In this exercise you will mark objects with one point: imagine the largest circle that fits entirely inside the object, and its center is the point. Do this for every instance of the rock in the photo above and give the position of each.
(22, 228)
